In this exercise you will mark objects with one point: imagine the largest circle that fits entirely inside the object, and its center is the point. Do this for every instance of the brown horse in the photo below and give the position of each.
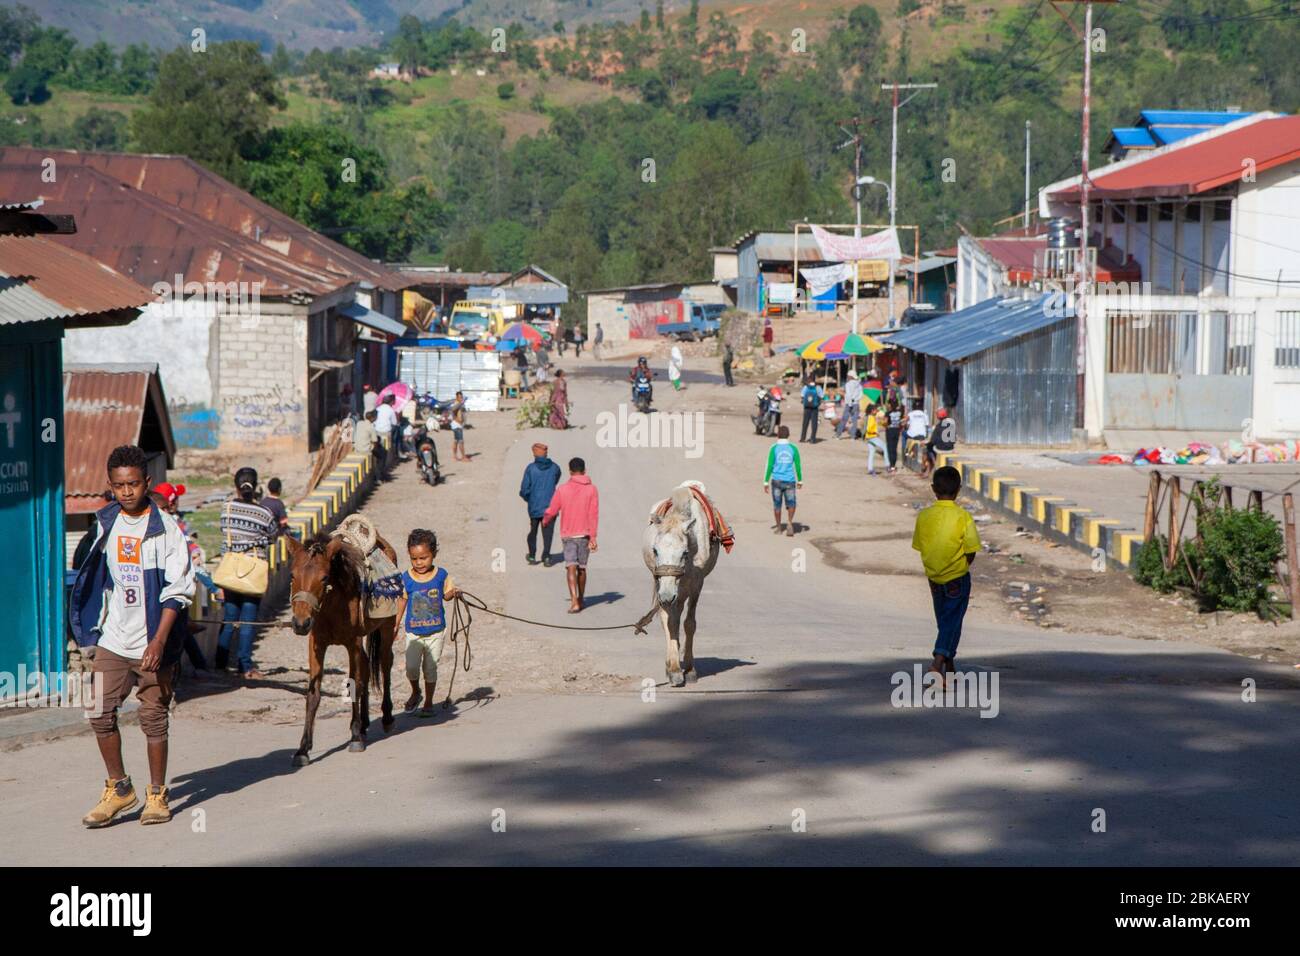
(329, 608)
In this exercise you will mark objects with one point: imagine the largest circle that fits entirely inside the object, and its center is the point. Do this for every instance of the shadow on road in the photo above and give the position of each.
(1186, 771)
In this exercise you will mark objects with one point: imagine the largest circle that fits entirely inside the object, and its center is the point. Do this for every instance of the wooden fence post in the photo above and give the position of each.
(1175, 493)
(1153, 496)
(1293, 570)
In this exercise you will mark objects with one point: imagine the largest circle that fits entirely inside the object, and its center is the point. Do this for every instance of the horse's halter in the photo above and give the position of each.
(309, 599)
(669, 570)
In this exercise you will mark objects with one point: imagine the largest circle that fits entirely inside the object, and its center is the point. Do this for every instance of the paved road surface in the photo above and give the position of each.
(790, 723)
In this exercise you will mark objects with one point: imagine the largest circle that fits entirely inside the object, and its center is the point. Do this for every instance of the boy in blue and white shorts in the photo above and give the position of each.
(423, 615)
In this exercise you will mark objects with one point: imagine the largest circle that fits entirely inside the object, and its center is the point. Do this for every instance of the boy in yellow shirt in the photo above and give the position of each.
(946, 537)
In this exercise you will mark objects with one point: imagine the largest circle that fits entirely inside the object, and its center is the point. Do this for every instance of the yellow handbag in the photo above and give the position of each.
(242, 573)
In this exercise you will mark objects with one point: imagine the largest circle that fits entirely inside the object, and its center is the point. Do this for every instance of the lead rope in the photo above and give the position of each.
(462, 617)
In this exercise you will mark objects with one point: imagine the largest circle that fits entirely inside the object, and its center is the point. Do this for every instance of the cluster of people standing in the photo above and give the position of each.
(888, 426)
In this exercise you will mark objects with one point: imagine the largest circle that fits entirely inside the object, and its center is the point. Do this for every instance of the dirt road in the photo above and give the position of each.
(568, 747)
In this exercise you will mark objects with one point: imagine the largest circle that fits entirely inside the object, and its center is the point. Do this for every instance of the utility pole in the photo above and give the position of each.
(1082, 277)
(1027, 135)
(1081, 301)
(893, 172)
(856, 142)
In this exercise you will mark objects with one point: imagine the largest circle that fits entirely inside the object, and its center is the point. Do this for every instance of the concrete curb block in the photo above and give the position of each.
(1052, 516)
(336, 496)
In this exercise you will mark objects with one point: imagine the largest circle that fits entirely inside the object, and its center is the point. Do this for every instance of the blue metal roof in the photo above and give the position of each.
(1162, 127)
(1204, 118)
(982, 326)
(1132, 137)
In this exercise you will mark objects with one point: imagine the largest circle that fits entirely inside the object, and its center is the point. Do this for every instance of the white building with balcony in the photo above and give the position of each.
(1211, 340)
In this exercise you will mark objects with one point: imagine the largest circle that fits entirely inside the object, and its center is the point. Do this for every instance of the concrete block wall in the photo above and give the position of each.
(262, 378)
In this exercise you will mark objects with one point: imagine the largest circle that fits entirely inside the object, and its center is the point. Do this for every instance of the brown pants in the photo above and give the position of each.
(120, 675)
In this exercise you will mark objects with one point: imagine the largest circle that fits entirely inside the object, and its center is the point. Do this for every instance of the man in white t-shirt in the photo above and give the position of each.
(918, 424)
(386, 419)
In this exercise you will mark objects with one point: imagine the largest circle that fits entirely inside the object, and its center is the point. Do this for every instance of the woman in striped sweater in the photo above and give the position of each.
(246, 528)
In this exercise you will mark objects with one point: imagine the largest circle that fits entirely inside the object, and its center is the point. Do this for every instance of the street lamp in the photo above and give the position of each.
(871, 181)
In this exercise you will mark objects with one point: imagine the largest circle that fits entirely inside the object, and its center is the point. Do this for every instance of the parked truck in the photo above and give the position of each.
(477, 319)
(682, 319)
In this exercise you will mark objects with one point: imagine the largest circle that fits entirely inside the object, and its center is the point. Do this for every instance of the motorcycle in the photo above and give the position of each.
(642, 392)
(426, 453)
(769, 411)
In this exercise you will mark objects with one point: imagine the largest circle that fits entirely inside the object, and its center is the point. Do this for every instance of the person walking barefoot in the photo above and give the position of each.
(578, 505)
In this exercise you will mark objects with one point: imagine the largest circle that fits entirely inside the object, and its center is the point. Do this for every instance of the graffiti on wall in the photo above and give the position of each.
(276, 413)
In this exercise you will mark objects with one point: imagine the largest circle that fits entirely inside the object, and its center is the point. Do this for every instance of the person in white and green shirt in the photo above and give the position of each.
(783, 475)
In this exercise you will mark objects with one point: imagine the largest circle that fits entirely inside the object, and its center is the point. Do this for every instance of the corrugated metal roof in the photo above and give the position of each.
(1015, 254)
(181, 182)
(103, 407)
(1207, 160)
(532, 293)
(1203, 118)
(375, 320)
(931, 262)
(46, 280)
(780, 247)
(413, 276)
(151, 241)
(1133, 137)
(983, 326)
(535, 270)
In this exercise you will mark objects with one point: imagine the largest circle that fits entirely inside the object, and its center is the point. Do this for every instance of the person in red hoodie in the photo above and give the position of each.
(578, 505)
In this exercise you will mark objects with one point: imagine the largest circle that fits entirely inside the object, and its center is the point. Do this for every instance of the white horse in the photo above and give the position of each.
(680, 553)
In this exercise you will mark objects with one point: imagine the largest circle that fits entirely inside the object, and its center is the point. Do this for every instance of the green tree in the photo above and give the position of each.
(17, 27)
(317, 174)
(505, 242)
(281, 61)
(94, 67)
(26, 84)
(138, 70)
(213, 107)
(98, 129)
(49, 51)
(721, 93)
(408, 46)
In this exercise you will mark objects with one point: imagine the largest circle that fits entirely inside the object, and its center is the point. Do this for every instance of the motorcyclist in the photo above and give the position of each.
(769, 402)
(642, 374)
(426, 450)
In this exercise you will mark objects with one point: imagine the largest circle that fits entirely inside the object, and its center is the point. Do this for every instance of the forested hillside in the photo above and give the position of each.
(620, 153)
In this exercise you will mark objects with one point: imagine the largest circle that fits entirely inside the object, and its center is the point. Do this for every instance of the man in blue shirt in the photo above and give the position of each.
(540, 478)
(811, 397)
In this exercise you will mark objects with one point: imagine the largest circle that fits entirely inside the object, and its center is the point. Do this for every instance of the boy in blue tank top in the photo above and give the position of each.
(423, 612)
